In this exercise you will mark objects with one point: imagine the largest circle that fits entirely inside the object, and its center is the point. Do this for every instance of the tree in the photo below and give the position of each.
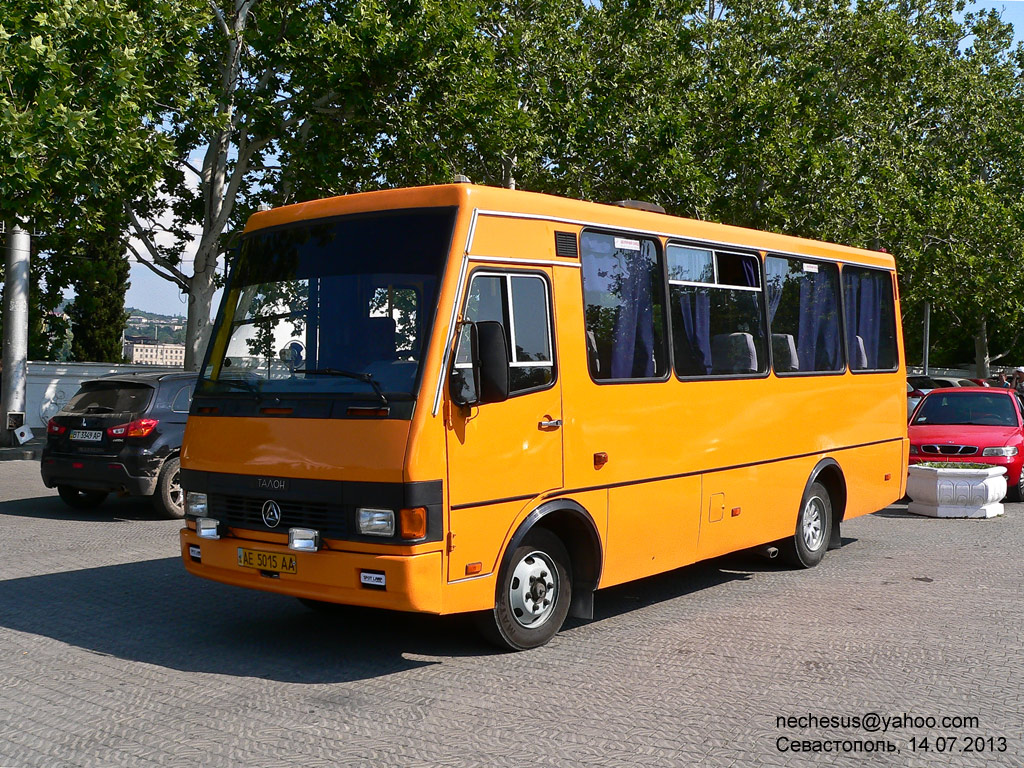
(285, 97)
(100, 281)
(77, 108)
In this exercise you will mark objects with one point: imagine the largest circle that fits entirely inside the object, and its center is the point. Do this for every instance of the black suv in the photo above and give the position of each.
(120, 434)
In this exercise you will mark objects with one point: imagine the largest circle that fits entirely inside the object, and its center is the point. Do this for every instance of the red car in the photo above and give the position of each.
(971, 424)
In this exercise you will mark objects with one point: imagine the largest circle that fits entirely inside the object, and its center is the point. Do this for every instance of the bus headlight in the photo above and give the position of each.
(1003, 450)
(375, 522)
(195, 504)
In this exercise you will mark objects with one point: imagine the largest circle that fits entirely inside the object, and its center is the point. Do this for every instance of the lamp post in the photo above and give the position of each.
(15, 340)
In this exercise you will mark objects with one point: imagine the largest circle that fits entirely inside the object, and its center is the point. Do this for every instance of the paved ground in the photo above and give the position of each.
(111, 655)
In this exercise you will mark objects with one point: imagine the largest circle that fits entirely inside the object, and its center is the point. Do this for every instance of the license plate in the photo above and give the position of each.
(267, 561)
(87, 434)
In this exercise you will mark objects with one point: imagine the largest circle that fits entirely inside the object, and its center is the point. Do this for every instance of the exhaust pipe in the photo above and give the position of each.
(768, 551)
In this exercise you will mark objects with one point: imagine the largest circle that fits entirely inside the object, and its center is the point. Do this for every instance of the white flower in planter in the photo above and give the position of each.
(952, 491)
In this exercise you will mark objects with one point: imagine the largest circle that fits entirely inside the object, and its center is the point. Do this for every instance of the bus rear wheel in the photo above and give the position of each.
(813, 528)
(533, 594)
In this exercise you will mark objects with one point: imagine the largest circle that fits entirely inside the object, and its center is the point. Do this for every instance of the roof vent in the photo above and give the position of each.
(640, 205)
(460, 179)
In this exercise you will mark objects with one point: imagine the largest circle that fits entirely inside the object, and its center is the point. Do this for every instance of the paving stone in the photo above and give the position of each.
(110, 654)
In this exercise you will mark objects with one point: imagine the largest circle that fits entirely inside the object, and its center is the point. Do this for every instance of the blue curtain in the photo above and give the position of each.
(750, 271)
(633, 336)
(817, 343)
(696, 314)
(864, 300)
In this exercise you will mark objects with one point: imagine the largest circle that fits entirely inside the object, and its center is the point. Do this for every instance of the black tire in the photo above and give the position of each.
(525, 615)
(80, 498)
(169, 498)
(813, 529)
(1016, 492)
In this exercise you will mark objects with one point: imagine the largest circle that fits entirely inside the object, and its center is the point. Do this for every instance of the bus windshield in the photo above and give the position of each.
(338, 306)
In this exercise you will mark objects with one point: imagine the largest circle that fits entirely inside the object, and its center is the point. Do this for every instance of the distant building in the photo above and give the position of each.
(148, 352)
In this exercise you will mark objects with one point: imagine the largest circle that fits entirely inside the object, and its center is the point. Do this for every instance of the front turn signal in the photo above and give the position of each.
(412, 523)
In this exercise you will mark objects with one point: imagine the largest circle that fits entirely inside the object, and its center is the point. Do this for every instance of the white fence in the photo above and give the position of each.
(50, 385)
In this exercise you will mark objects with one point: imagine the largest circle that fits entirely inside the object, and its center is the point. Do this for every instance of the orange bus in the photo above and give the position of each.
(463, 398)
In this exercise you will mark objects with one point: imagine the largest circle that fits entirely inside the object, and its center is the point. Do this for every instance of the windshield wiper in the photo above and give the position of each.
(349, 375)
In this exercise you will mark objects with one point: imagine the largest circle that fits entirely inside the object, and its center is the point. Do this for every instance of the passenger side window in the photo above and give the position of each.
(717, 306)
(182, 399)
(624, 305)
(522, 304)
(803, 314)
(870, 319)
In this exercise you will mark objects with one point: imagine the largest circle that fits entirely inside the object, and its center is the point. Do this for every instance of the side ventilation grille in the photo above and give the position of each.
(565, 245)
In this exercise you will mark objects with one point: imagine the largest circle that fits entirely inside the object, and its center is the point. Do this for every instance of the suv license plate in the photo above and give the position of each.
(93, 435)
(267, 561)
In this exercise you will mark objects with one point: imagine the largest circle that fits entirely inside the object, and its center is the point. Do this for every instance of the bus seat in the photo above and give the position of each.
(860, 354)
(784, 352)
(380, 338)
(733, 353)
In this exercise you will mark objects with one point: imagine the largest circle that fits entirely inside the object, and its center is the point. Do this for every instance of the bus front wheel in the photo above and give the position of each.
(533, 594)
(813, 528)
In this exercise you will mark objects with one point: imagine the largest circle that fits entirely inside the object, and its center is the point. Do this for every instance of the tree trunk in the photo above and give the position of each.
(981, 356)
(200, 301)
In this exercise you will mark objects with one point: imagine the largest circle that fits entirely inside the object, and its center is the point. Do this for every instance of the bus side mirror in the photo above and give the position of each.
(492, 349)
(485, 379)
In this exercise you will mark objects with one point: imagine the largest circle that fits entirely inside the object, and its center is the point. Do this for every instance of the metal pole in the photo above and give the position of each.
(15, 344)
(927, 332)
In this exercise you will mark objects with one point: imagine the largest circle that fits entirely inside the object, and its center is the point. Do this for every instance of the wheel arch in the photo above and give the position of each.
(830, 474)
(573, 524)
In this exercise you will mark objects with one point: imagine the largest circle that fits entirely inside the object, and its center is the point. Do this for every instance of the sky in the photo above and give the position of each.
(154, 294)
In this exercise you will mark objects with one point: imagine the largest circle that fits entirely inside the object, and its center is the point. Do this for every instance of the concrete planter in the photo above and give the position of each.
(956, 492)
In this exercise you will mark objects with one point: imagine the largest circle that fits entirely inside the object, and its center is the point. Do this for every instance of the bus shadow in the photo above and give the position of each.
(153, 612)
(708, 574)
(52, 508)
(898, 511)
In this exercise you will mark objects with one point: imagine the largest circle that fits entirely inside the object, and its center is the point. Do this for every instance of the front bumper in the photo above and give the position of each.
(100, 473)
(412, 582)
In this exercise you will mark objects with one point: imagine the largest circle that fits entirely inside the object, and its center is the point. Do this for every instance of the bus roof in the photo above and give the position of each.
(571, 212)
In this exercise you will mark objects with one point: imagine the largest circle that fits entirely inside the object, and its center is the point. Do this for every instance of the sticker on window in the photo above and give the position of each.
(625, 244)
(811, 268)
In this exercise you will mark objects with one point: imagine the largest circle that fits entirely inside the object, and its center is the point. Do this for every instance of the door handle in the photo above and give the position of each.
(553, 424)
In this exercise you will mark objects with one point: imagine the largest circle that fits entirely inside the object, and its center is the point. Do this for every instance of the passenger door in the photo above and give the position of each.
(501, 455)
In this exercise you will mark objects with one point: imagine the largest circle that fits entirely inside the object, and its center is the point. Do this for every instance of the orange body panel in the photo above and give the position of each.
(682, 456)
(321, 449)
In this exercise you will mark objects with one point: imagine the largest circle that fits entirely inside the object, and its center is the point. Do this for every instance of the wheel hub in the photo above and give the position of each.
(533, 590)
(814, 523)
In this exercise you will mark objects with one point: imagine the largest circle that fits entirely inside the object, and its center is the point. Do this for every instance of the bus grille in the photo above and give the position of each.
(244, 512)
(950, 450)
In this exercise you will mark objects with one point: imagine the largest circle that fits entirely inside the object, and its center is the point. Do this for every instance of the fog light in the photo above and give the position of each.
(195, 504)
(303, 539)
(375, 522)
(913, 450)
(208, 528)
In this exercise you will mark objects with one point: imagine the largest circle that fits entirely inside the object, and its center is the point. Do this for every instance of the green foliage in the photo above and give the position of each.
(882, 123)
(77, 101)
(101, 279)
